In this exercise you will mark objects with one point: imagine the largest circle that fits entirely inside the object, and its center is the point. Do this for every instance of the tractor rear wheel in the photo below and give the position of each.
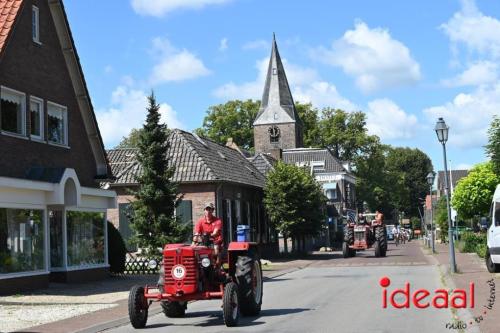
(173, 309)
(349, 235)
(250, 283)
(381, 238)
(137, 307)
(492, 267)
(377, 249)
(230, 305)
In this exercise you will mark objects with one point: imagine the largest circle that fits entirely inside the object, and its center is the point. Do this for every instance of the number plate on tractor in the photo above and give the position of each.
(178, 272)
(359, 229)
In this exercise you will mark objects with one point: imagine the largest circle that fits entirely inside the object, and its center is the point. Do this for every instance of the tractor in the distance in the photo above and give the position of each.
(364, 234)
(190, 273)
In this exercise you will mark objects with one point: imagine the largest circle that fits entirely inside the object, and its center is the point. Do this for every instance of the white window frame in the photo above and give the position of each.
(65, 118)
(41, 122)
(23, 111)
(35, 12)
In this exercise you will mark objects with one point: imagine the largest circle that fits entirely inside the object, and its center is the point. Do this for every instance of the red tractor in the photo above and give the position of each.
(189, 273)
(363, 235)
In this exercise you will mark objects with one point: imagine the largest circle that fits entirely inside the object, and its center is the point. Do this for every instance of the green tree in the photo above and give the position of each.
(233, 119)
(345, 133)
(442, 217)
(310, 121)
(408, 169)
(153, 218)
(294, 201)
(131, 140)
(493, 146)
(473, 194)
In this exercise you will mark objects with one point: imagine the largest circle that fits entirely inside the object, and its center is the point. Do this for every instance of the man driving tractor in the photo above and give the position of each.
(211, 225)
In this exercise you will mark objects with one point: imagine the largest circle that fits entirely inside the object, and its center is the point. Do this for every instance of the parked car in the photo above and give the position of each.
(493, 235)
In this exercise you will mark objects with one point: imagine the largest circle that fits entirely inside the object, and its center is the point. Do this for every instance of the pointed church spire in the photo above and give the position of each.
(277, 102)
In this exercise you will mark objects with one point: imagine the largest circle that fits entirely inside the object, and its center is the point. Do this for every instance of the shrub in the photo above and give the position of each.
(117, 250)
(481, 250)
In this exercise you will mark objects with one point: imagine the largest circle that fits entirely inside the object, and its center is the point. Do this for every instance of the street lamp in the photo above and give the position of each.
(430, 181)
(442, 134)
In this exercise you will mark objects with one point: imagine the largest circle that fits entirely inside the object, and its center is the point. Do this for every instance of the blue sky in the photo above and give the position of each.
(404, 63)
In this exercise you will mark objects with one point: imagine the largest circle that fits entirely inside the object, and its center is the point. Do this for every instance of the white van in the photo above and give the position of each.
(493, 255)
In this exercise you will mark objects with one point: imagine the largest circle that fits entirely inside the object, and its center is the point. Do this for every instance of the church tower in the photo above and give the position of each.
(277, 125)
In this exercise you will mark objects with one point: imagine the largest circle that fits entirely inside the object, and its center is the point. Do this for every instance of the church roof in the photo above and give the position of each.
(277, 104)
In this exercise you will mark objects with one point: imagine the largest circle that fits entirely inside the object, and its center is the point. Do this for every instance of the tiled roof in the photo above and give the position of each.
(263, 162)
(456, 175)
(308, 155)
(8, 13)
(195, 160)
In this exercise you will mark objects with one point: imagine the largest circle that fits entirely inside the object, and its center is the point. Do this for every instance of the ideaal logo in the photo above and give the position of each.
(439, 299)
(423, 298)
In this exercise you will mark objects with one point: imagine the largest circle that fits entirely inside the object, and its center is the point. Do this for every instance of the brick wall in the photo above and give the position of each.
(40, 70)
(199, 195)
(122, 197)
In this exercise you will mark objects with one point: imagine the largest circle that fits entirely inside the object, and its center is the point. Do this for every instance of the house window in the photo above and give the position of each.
(12, 109)
(57, 126)
(22, 240)
(85, 235)
(36, 118)
(35, 24)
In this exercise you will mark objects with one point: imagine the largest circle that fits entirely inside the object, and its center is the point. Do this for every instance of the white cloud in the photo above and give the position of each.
(256, 44)
(174, 64)
(372, 57)
(128, 111)
(468, 115)
(322, 94)
(480, 72)
(305, 84)
(223, 44)
(159, 8)
(474, 30)
(387, 120)
(462, 166)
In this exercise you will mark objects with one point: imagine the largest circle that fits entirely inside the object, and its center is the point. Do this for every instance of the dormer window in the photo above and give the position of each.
(275, 71)
(35, 22)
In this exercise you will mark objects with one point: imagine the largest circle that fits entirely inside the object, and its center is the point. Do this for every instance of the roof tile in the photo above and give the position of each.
(8, 13)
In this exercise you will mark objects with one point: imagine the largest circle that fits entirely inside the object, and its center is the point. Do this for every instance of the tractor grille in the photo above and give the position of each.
(359, 235)
(188, 262)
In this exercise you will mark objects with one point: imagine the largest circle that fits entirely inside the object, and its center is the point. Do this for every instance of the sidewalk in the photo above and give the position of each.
(471, 268)
(90, 307)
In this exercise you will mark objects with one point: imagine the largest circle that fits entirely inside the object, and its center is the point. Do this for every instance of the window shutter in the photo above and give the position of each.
(184, 212)
(124, 224)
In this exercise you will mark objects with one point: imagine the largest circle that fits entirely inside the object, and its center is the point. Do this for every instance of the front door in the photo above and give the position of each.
(56, 238)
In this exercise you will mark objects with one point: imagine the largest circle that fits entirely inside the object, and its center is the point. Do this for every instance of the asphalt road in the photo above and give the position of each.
(330, 295)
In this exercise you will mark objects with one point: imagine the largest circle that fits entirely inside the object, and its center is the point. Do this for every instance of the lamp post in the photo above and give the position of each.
(430, 181)
(442, 134)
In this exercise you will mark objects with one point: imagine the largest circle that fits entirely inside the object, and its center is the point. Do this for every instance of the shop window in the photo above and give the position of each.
(21, 240)
(56, 238)
(12, 110)
(57, 126)
(85, 236)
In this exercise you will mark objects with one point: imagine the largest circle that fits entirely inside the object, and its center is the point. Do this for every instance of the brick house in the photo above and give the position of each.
(205, 172)
(52, 211)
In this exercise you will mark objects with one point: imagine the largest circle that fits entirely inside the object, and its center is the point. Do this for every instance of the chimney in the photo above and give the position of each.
(276, 153)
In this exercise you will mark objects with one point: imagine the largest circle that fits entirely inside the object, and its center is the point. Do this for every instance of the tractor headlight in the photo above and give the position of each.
(152, 264)
(205, 262)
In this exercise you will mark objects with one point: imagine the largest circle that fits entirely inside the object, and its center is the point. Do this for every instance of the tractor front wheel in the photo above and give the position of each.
(381, 239)
(346, 251)
(137, 307)
(230, 305)
(250, 283)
